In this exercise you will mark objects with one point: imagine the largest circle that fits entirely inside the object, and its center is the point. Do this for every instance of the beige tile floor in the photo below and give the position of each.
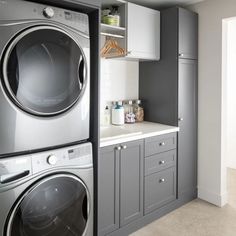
(198, 218)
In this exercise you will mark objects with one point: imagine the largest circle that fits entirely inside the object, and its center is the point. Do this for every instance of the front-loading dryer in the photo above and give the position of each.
(44, 79)
(48, 193)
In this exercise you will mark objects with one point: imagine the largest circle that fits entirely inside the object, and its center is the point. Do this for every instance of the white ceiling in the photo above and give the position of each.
(158, 3)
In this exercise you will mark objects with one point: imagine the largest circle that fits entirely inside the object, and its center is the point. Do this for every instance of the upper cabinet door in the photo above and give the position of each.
(143, 32)
(188, 34)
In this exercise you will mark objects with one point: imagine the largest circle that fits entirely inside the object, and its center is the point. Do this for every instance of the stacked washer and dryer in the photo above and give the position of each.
(46, 166)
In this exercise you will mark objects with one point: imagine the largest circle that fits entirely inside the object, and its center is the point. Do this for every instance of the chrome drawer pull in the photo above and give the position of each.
(162, 144)
(118, 148)
(162, 180)
(162, 162)
(124, 147)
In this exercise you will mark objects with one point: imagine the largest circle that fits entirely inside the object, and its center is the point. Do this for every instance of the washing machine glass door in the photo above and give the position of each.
(44, 70)
(58, 205)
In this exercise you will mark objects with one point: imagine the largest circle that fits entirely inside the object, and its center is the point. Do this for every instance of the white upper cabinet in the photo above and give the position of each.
(143, 33)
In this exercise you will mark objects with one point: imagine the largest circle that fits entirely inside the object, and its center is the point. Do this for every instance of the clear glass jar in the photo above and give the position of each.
(129, 113)
(138, 111)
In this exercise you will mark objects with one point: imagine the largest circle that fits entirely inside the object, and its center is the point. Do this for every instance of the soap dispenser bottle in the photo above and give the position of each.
(118, 114)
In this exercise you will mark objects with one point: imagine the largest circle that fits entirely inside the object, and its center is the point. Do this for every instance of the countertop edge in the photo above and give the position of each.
(137, 137)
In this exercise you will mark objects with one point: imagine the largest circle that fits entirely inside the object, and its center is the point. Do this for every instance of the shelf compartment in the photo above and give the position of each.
(112, 35)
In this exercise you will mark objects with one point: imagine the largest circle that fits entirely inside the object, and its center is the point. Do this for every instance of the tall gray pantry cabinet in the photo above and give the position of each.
(169, 91)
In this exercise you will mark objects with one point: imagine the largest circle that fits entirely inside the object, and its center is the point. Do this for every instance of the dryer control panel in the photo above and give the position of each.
(17, 168)
(31, 11)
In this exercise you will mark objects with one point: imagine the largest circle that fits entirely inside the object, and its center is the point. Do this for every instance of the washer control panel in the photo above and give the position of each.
(79, 156)
(17, 168)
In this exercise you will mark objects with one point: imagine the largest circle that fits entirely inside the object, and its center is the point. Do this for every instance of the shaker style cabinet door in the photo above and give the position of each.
(188, 34)
(187, 137)
(108, 190)
(131, 181)
(143, 32)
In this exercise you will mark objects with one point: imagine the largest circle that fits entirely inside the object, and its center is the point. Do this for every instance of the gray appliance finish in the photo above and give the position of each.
(48, 193)
(169, 91)
(45, 77)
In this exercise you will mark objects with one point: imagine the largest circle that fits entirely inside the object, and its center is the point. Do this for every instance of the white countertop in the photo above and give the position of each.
(112, 134)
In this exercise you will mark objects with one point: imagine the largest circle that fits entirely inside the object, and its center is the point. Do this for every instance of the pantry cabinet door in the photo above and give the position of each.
(143, 32)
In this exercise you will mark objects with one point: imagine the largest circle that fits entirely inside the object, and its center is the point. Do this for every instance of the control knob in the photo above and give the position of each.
(52, 160)
(48, 12)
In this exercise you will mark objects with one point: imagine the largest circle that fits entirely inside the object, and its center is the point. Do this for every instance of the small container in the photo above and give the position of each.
(107, 117)
(138, 111)
(105, 12)
(129, 114)
(116, 14)
(118, 114)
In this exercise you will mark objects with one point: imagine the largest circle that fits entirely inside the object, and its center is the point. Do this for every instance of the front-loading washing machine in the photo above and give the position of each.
(48, 193)
(44, 77)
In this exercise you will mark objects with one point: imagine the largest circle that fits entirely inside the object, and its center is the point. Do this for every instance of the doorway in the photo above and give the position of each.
(229, 107)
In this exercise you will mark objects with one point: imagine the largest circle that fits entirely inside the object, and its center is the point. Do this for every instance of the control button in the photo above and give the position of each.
(48, 12)
(52, 160)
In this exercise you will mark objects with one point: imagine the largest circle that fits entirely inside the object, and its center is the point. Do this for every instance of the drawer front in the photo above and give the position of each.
(160, 144)
(160, 189)
(160, 162)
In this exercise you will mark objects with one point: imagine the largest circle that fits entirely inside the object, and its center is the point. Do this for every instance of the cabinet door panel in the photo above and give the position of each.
(188, 34)
(143, 32)
(160, 189)
(108, 190)
(131, 182)
(187, 137)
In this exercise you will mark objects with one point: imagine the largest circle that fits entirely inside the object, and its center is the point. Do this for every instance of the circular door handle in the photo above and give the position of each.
(124, 147)
(162, 162)
(162, 180)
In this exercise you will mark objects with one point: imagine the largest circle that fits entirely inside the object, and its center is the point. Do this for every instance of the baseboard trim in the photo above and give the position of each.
(213, 198)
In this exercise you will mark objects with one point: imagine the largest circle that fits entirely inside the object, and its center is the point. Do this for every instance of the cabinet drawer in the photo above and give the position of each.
(160, 162)
(160, 189)
(160, 144)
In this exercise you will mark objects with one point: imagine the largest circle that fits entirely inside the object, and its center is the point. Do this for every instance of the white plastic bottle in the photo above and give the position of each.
(118, 114)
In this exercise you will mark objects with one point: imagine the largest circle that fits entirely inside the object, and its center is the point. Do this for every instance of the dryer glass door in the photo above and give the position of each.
(55, 206)
(44, 71)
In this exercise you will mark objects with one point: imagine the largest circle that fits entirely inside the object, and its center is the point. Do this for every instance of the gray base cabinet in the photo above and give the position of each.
(120, 186)
(135, 179)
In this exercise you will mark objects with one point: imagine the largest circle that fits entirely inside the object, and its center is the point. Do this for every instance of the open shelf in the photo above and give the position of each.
(113, 31)
(113, 35)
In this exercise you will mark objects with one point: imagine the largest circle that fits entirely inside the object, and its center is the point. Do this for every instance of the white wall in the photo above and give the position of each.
(231, 91)
(119, 81)
(211, 150)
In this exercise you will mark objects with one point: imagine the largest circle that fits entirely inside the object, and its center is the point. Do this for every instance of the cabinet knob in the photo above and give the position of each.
(162, 180)
(181, 119)
(181, 54)
(124, 147)
(162, 144)
(118, 148)
(162, 162)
